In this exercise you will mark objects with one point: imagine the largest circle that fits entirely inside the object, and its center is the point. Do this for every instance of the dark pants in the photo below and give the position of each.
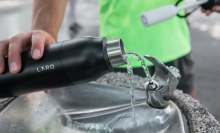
(184, 64)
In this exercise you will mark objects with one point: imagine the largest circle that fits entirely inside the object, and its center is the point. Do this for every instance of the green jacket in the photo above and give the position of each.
(165, 41)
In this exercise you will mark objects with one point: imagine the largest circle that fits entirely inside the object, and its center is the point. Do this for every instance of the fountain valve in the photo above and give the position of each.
(162, 84)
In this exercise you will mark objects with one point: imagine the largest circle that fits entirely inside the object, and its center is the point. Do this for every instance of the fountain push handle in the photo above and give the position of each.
(158, 15)
(167, 12)
(162, 84)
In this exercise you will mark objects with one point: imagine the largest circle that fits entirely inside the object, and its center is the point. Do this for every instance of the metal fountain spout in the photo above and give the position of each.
(162, 84)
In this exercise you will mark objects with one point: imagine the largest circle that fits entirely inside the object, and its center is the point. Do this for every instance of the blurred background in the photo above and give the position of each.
(16, 16)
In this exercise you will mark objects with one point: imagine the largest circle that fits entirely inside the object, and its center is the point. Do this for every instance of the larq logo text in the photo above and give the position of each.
(46, 68)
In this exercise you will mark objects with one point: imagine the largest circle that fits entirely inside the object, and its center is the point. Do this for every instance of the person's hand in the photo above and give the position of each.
(13, 47)
(208, 12)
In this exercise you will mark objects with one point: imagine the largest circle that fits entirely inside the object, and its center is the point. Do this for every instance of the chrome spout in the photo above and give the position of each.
(162, 84)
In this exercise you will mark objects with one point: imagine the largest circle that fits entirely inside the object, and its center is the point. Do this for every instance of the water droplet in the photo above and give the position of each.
(36, 111)
(45, 109)
(11, 117)
(39, 103)
(24, 100)
(13, 125)
(133, 123)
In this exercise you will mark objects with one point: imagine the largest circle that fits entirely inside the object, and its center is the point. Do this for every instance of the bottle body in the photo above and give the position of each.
(65, 63)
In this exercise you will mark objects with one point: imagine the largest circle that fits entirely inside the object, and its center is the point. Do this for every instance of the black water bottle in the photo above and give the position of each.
(65, 63)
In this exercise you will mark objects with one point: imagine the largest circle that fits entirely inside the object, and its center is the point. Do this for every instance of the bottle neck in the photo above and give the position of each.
(115, 51)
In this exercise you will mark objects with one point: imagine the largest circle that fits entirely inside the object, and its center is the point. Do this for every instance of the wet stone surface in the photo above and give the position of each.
(5, 102)
(198, 117)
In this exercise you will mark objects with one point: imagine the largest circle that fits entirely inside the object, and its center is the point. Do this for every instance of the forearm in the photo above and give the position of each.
(48, 15)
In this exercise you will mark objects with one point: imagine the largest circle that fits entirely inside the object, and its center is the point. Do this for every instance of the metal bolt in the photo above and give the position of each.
(151, 85)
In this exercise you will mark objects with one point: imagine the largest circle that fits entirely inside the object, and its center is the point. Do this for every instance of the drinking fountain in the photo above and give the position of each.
(92, 104)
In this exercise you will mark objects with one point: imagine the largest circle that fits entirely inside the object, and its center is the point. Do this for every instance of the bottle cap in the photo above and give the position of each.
(115, 52)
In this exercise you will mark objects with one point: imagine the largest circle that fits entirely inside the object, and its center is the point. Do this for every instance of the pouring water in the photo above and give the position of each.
(109, 128)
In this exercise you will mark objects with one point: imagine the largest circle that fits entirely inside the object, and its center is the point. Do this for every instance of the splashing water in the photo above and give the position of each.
(122, 120)
(76, 127)
(130, 74)
(141, 60)
(130, 77)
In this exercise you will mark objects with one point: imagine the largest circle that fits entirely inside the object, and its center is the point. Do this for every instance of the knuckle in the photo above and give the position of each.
(3, 53)
(3, 48)
(37, 43)
(15, 39)
(4, 42)
(13, 54)
(38, 32)
(12, 49)
(10, 54)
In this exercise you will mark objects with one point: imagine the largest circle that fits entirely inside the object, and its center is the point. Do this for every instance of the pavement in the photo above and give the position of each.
(205, 36)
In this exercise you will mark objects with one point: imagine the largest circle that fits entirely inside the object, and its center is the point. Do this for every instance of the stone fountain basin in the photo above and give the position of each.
(92, 104)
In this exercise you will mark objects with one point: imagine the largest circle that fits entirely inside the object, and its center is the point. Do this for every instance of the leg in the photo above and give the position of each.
(71, 13)
(74, 27)
(193, 94)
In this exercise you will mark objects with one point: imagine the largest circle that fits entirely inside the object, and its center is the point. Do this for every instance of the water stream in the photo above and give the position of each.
(139, 58)
(130, 123)
(129, 118)
(131, 80)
